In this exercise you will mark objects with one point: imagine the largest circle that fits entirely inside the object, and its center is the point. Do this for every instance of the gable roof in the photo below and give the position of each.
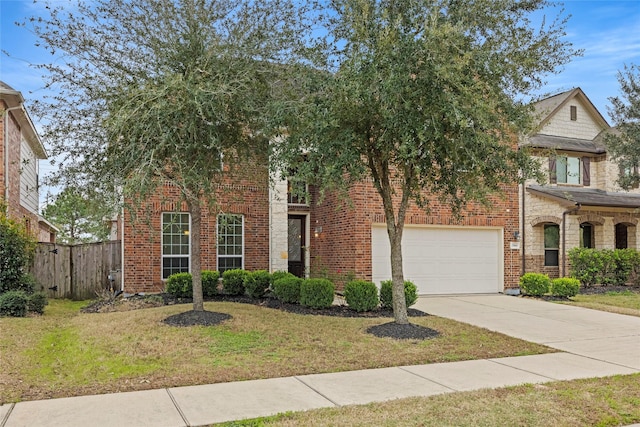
(548, 107)
(15, 101)
(587, 196)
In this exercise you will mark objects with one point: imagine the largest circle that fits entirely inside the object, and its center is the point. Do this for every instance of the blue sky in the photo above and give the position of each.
(608, 32)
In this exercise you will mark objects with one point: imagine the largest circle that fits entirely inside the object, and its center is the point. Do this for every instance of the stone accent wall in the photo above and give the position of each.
(562, 125)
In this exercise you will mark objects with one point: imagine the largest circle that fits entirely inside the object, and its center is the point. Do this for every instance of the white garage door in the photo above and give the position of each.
(443, 260)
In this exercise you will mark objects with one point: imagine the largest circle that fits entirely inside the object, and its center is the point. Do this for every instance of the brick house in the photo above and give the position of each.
(20, 151)
(263, 226)
(580, 204)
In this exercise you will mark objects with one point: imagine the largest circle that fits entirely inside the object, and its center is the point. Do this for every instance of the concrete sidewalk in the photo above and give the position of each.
(594, 344)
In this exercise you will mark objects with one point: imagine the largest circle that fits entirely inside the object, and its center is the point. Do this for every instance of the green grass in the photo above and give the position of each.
(68, 353)
(625, 302)
(603, 402)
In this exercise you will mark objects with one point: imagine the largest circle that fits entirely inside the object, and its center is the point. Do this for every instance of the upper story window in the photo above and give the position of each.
(573, 113)
(570, 170)
(297, 192)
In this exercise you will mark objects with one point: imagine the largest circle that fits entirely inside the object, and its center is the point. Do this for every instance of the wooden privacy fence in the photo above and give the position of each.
(77, 271)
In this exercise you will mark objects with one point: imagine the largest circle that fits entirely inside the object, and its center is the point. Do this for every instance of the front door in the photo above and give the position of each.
(297, 239)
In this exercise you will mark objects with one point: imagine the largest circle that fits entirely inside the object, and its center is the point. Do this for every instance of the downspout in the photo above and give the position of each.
(522, 238)
(6, 149)
(122, 251)
(564, 238)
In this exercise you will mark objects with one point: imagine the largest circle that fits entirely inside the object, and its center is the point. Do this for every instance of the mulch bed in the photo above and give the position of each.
(210, 318)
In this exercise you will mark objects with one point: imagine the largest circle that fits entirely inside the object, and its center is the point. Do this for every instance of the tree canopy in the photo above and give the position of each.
(81, 216)
(427, 98)
(624, 141)
(150, 92)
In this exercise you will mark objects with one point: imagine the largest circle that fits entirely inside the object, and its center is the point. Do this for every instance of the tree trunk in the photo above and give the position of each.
(196, 266)
(397, 275)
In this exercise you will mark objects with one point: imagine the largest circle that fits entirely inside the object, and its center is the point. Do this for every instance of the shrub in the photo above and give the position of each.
(13, 303)
(626, 261)
(361, 295)
(585, 265)
(16, 250)
(36, 302)
(287, 289)
(565, 287)
(180, 285)
(386, 293)
(233, 281)
(535, 284)
(256, 283)
(317, 293)
(210, 282)
(277, 275)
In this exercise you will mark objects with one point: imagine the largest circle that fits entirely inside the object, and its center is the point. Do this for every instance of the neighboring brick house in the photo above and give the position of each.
(580, 205)
(263, 226)
(20, 151)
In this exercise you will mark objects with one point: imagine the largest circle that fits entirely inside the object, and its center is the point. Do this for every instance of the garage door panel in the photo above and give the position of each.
(444, 260)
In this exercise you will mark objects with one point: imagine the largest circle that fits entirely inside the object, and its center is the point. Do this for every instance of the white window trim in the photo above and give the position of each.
(218, 256)
(163, 256)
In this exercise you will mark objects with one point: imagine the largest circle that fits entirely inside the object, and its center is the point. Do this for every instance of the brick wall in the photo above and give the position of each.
(14, 209)
(247, 196)
(344, 247)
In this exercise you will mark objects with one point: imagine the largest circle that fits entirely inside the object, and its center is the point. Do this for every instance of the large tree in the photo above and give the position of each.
(81, 216)
(150, 92)
(624, 141)
(425, 97)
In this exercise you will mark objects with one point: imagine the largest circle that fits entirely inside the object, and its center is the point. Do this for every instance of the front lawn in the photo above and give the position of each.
(621, 302)
(69, 353)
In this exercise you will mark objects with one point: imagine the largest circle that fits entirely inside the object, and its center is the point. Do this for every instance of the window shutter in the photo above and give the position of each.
(553, 178)
(586, 171)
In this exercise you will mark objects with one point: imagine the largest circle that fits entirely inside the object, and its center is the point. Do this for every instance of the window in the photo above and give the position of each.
(586, 236)
(297, 192)
(568, 170)
(622, 236)
(175, 243)
(573, 112)
(551, 244)
(230, 242)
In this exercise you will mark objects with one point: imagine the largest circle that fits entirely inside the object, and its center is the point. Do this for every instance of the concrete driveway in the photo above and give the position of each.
(608, 337)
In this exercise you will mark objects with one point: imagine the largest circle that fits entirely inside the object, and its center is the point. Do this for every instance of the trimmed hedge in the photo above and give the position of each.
(535, 284)
(604, 266)
(210, 282)
(317, 293)
(361, 295)
(180, 285)
(287, 289)
(233, 281)
(257, 283)
(386, 294)
(564, 287)
(13, 303)
(36, 302)
(277, 275)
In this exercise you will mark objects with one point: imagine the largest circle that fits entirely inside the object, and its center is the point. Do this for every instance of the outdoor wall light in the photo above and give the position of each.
(317, 231)
(516, 235)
